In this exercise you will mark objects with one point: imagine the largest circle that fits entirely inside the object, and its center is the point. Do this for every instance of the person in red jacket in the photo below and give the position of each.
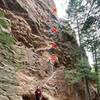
(52, 63)
(54, 10)
(52, 48)
(53, 45)
(53, 59)
(38, 94)
(54, 30)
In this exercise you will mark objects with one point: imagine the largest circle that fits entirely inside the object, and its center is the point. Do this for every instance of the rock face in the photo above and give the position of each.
(31, 21)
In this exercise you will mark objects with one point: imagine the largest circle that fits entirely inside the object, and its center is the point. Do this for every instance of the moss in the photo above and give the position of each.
(4, 22)
(6, 39)
(2, 13)
(17, 66)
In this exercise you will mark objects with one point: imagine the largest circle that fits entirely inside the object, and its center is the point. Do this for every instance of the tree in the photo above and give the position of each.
(81, 73)
(73, 12)
(91, 43)
(86, 27)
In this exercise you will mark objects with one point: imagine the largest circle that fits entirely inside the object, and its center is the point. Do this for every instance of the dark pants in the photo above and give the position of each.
(56, 65)
(37, 98)
(51, 51)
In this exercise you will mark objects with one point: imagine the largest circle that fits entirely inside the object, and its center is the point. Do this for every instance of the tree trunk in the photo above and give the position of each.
(87, 92)
(96, 70)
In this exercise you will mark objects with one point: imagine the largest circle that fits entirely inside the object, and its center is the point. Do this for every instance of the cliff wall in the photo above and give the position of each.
(24, 62)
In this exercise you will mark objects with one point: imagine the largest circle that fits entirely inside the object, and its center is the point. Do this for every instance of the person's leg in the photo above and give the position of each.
(49, 34)
(56, 65)
(50, 68)
(37, 98)
(51, 50)
(60, 36)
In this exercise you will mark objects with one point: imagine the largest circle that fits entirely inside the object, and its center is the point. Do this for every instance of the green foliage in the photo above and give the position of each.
(5, 38)
(93, 76)
(83, 66)
(98, 2)
(81, 9)
(99, 24)
(73, 6)
(6, 41)
(2, 14)
(7, 55)
(86, 18)
(99, 78)
(82, 70)
(17, 66)
(72, 76)
(4, 22)
(88, 23)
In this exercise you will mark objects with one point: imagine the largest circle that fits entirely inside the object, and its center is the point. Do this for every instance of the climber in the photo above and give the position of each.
(54, 10)
(52, 62)
(52, 48)
(50, 67)
(59, 34)
(38, 94)
(53, 45)
(54, 30)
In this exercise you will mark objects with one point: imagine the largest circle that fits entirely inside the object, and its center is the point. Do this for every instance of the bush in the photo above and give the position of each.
(5, 38)
(82, 70)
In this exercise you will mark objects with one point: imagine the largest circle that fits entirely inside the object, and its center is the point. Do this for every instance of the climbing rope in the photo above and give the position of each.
(48, 78)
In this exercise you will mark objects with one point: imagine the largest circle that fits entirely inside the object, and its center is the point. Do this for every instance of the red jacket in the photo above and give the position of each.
(38, 93)
(54, 30)
(54, 9)
(53, 45)
(53, 59)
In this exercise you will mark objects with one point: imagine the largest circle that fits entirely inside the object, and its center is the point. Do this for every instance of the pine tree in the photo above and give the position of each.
(74, 8)
(86, 27)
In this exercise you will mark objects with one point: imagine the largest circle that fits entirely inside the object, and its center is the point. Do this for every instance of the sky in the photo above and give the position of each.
(61, 6)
